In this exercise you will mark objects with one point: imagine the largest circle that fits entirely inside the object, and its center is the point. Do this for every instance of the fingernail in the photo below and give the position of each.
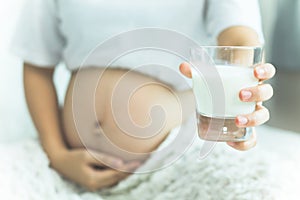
(261, 72)
(246, 95)
(136, 164)
(117, 163)
(231, 143)
(242, 120)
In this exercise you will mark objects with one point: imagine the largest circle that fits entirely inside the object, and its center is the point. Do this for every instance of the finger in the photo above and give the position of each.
(111, 177)
(102, 159)
(264, 71)
(258, 117)
(131, 166)
(243, 146)
(258, 93)
(185, 69)
(104, 178)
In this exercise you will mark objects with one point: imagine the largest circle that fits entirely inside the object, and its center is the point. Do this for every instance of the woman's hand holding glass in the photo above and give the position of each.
(257, 94)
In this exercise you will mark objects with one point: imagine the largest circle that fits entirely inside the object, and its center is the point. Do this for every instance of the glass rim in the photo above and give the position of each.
(230, 47)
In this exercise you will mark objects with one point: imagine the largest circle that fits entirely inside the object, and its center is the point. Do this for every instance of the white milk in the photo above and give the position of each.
(234, 79)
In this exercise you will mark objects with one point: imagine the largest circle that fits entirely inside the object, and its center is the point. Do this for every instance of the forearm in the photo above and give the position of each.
(238, 36)
(42, 102)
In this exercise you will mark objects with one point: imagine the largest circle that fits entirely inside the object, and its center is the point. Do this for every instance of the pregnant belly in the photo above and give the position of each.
(125, 114)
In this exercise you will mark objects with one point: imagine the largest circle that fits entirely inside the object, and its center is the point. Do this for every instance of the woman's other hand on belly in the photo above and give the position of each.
(92, 170)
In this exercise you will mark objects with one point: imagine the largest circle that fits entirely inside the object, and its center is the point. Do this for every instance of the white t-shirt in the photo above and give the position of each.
(51, 31)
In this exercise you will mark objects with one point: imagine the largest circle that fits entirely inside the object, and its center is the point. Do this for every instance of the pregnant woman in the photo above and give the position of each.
(53, 31)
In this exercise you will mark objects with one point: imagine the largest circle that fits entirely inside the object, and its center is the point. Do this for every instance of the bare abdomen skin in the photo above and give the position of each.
(123, 114)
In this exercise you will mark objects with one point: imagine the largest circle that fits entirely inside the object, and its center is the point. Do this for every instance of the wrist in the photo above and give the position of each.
(55, 154)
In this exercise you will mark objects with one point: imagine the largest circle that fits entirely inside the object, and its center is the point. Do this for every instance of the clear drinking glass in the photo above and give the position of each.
(219, 73)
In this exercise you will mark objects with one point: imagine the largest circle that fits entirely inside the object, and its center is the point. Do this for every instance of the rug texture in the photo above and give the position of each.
(269, 171)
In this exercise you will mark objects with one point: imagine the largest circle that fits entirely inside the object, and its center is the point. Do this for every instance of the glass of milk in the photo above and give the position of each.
(219, 73)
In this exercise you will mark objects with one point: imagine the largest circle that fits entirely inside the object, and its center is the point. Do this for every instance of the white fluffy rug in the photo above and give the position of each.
(270, 171)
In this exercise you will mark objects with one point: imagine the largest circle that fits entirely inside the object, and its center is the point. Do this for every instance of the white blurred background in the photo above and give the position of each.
(13, 113)
(15, 122)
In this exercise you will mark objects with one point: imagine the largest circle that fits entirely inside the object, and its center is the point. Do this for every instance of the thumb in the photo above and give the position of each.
(103, 159)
